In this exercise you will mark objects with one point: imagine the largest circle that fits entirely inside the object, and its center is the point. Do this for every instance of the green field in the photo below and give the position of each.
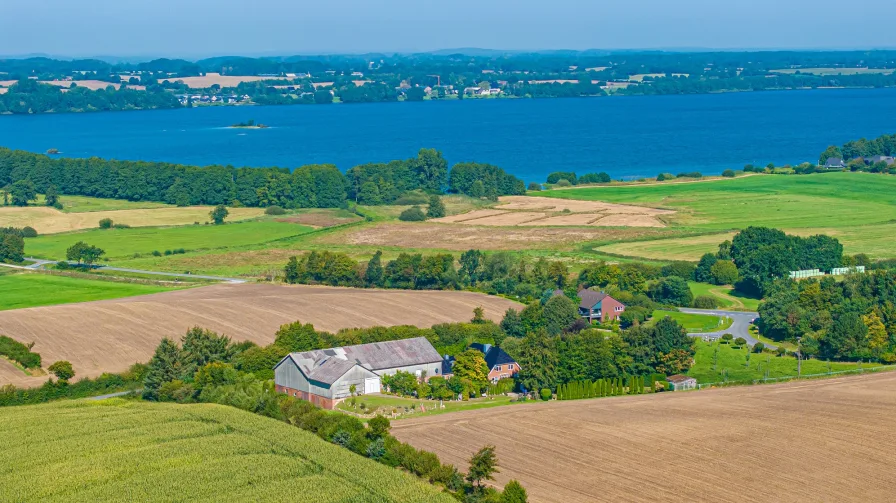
(415, 407)
(20, 290)
(124, 451)
(857, 208)
(728, 297)
(731, 364)
(124, 243)
(694, 322)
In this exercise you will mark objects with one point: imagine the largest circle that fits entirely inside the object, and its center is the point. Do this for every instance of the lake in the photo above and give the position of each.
(624, 136)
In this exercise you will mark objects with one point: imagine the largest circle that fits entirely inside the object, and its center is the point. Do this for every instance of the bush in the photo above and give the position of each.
(534, 187)
(18, 352)
(29, 232)
(121, 226)
(63, 370)
(274, 210)
(728, 173)
(413, 214)
(706, 302)
(106, 223)
(662, 177)
(58, 206)
(563, 183)
(690, 174)
(156, 253)
(758, 347)
(412, 198)
(545, 394)
(780, 351)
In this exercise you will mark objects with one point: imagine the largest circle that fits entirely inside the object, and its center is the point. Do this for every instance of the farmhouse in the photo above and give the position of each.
(500, 364)
(325, 377)
(682, 382)
(597, 306)
(834, 162)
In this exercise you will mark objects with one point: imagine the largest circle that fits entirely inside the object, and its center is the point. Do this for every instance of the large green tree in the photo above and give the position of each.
(23, 192)
(559, 313)
(538, 359)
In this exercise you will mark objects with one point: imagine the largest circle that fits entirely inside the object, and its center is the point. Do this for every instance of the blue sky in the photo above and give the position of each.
(197, 28)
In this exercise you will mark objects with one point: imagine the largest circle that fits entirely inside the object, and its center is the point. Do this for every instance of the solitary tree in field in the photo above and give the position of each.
(84, 253)
(52, 196)
(63, 370)
(219, 214)
(436, 207)
(483, 466)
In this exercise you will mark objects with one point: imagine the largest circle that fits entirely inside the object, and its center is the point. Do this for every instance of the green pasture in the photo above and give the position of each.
(717, 362)
(20, 290)
(409, 407)
(118, 451)
(84, 204)
(726, 295)
(123, 243)
(694, 322)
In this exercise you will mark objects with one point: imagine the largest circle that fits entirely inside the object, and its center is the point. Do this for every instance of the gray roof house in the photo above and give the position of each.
(834, 162)
(881, 158)
(325, 376)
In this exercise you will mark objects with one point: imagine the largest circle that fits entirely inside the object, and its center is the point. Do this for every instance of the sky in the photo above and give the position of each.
(201, 28)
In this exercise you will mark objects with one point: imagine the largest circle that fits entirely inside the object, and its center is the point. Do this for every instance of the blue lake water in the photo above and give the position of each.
(624, 136)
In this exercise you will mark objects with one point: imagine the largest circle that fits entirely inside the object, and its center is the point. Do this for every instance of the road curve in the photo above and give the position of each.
(740, 326)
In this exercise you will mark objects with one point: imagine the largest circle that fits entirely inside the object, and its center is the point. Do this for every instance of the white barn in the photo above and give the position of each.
(325, 376)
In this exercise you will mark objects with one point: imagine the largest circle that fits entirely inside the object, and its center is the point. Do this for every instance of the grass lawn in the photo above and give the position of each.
(19, 290)
(727, 296)
(715, 362)
(82, 204)
(857, 208)
(694, 322)
(388, 403)
(121, 243)
(119, 450)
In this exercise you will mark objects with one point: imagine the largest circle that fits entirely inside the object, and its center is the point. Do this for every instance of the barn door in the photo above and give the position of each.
(371, 385)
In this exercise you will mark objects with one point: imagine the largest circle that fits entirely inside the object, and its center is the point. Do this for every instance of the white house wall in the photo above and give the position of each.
(431, 369)
(356, 376)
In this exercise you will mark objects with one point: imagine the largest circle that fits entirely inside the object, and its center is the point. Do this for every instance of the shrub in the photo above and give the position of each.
(18, 352)
(690, 174)
(156, 253)
(706, 302)
(121, 226)
(63, 370)
(728, 173)
(545, 394)
(58, 206)
(274, 210)
(534, 187)
(29, 232)
(413, 214)
(412, 198)
(563, 183)
(780, 351)
(106, 223)
(758, 347)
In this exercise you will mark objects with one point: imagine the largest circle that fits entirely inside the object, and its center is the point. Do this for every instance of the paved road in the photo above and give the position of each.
(739, 328)
(38, 263)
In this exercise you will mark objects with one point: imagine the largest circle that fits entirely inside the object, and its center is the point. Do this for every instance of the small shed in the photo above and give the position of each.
(682, 382)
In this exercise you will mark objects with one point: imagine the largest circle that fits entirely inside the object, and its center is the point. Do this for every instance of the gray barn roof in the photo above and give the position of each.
(328, 365)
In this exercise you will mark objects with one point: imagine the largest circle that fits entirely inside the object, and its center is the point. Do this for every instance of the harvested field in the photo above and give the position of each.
(210, 79)
(93, 85)
(50, 220)
(321, 218)
(465, 237)
(805, 441)
(538, 211)
(109, 336)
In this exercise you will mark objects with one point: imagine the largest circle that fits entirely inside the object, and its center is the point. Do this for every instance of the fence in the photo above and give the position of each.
(880, 368)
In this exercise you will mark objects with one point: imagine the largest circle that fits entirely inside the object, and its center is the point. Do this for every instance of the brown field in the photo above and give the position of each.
(806, 441)
(93, 85)
(320, 218)
(211, 79)
(50, 220)
(465, 237)
(542, 211)
(109, 336)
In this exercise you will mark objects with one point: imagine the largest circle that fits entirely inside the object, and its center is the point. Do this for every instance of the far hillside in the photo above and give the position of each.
(118, 450)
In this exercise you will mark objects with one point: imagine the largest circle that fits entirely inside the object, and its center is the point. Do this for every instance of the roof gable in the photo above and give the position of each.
(590, 298)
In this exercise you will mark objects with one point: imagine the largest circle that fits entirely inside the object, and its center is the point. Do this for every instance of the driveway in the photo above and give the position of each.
(739, 328)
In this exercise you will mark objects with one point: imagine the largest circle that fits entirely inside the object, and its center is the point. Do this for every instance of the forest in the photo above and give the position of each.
(29, 96)
(311, 186)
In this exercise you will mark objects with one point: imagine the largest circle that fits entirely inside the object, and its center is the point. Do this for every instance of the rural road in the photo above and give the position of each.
(38, 263)
(739, 328)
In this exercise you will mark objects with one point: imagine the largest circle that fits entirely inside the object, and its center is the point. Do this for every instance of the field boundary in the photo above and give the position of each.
(773, 380)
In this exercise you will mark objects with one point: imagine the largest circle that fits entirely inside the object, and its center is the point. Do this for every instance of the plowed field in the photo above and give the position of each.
(805, 441)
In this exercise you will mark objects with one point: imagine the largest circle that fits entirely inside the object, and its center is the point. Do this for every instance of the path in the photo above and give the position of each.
(38, 263)
(112, 395)
(740, 326)
(735, 302)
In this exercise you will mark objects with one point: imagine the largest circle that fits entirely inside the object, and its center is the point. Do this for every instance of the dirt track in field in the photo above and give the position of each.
(110, 335)
(805, 441)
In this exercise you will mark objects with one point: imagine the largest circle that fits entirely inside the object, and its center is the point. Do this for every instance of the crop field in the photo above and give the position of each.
(111, 335)
(701, 323)
(857, 208)
(802, 441)
(123, 451)
(210, 79)
(121, 243)
(716, 362)
(50, 220)
(32, 289)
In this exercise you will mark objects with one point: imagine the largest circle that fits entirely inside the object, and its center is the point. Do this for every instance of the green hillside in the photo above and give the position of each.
(123, 451)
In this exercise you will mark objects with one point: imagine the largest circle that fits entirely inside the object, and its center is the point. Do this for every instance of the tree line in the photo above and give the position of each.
(310, 186)
(31, 97)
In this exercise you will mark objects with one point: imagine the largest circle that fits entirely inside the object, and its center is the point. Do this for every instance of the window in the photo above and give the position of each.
(436, 370)
(497, 367)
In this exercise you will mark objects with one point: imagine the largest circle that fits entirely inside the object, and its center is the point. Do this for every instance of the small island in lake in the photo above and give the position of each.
(250, 124)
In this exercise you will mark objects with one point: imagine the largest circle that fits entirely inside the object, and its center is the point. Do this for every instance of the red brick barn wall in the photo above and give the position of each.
(321, 401)
(608, 309)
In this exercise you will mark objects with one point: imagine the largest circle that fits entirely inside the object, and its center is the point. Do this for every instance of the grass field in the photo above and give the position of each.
(728, 297)
(82, 204)
(700, 323)
(111, 335)
(22, 290)
(857, 208)
(730, 364)
(834, 71)
(408, 407)
(122, 243)
(781, 442)
(123, 451)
